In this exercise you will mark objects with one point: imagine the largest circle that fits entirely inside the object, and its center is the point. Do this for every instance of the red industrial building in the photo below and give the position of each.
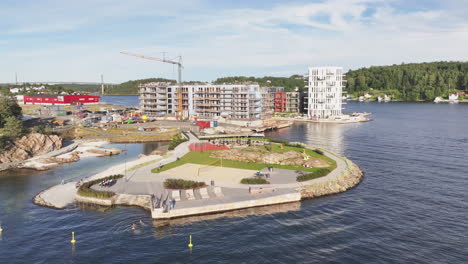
(78, 99)
(280, 101)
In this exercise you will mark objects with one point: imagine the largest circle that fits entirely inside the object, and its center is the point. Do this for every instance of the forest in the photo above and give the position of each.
(405, 82)
(410, 82)
(289, 83)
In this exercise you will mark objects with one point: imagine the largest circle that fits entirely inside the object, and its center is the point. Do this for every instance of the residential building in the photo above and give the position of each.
(325, 90)
(207, 101)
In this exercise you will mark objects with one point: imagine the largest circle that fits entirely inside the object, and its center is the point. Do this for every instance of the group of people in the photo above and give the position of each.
(78, 183)
(107, 183)
(159, 202)
(307, 166)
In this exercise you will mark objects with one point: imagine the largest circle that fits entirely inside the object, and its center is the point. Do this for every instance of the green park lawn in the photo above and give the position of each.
(203, 158)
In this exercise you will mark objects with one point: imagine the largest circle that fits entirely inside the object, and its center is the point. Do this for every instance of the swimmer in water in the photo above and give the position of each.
(133, 226)
(141, 223)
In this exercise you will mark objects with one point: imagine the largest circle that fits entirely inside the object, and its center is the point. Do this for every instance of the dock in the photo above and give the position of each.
(219, 205)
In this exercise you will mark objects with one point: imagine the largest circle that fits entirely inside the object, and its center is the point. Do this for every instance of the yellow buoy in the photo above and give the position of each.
(190, 245)
(73, 241)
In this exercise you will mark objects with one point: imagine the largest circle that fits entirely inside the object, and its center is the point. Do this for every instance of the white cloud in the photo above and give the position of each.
(281, 39)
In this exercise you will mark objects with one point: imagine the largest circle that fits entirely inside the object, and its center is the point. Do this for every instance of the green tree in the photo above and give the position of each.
(8, 108)
(12, 128)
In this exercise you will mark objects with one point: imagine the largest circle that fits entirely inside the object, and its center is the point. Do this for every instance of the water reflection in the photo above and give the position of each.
(328, 136)
(164, 227)
(152, 146)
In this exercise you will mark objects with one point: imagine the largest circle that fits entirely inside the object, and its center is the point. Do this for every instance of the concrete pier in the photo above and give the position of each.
(226, 204)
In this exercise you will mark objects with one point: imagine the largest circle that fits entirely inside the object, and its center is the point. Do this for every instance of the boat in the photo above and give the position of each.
(258, 135)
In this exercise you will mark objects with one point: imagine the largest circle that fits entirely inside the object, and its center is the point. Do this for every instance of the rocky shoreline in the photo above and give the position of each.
(350, 178)
(50, 157)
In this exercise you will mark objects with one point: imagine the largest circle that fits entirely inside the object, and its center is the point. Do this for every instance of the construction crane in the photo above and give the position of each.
(179, 79)
(178, 63)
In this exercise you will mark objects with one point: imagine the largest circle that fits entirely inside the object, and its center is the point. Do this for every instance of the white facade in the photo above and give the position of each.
(325, 92)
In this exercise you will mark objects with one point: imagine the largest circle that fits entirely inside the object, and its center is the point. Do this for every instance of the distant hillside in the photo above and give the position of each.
(289, 83)
(410, 82)
(87, 88)
(131, 87)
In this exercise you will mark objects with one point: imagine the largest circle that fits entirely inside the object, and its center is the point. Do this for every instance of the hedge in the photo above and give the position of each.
(316, 174)
(254, 181)
(318, 151)
(182, 184)
(85, 188)
(285, 142)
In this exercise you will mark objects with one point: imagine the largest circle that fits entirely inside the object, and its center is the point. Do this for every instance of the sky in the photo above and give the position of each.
(77, 41)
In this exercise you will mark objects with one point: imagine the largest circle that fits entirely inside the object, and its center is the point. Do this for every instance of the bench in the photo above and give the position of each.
(204, 193)
(217, 191)
(189, 194)
(176, 195)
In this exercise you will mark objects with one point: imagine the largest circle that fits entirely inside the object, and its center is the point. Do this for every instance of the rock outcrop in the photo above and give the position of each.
(31, 145)
(74, 156)
(259, 155)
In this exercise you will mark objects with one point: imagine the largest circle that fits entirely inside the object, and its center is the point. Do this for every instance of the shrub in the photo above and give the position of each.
(316, 174)
(318, 151)
(182, 184)
(41, 129)
(176, 140)
(85, 188)
(254, 181)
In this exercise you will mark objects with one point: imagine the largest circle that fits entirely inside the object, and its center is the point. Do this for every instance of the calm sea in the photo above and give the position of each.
(127, 100)
(412, 206)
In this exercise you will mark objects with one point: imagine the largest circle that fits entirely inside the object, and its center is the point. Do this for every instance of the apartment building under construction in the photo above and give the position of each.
(207, 101)
(287, 102)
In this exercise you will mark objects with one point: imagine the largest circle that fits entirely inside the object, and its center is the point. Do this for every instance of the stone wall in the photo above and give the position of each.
(118, 199)
(94, 200)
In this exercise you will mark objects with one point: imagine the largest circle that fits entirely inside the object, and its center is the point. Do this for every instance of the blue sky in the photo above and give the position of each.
(53, 40)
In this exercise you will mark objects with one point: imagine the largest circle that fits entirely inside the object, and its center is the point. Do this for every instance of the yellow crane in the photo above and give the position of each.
(179, 71)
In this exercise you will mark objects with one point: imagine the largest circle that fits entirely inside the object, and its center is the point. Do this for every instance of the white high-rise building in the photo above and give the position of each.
(325, 92)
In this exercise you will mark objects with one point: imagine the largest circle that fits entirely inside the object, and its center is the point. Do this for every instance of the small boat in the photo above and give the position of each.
(258, 135)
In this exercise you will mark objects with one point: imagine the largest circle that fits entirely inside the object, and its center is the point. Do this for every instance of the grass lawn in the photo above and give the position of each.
(141, 165)
(204, 158)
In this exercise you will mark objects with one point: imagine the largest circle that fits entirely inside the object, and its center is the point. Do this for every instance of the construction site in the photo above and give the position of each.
(222, 102)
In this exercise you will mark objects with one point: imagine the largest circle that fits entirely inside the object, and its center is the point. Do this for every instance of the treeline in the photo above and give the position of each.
(410, 82)
(49, 89)
(83, 88)
(289, 83)
(131, 87)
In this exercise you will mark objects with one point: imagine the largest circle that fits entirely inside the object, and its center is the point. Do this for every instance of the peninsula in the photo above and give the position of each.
(206, 177)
